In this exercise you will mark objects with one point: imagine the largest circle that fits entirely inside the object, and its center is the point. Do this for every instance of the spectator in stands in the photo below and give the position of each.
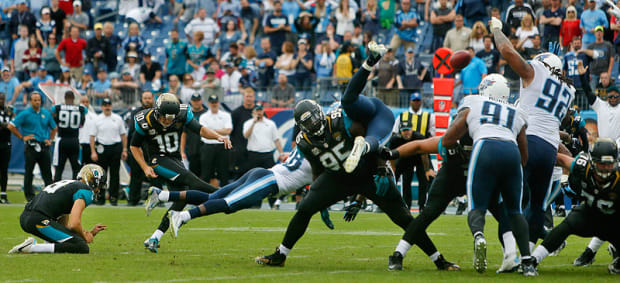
(614, 25)
(230, 35)
(190, 141)
(79, 19)
(21, 16)
(530, 52)
(388, 80)
(205, 24)
(233, 55)
(473, 11)
(48, 56)
(131, 65)
(73, 48)
(211, 85)
(98, 49)
(230, 80)
(36, 127)
(250, 59)
(263, 140)
(276, 27)
(101, 87)
(343, 69)
(303, 66)
(150, 72)
(608, 113)
(538, 13)
(213, 155)
(85, 84)
(108, 145)
(320, 9)
(471, 76)
(506, 29)
(146, 12)
(176, 55)
(406, 23)
(59, 17)
(476, 39)
(17, 53)
(250, 16)
(590, 20)
(516, 12)
(187, 89)
(571, 61)
(329, 36)
(602, 54)
(176, 9)
(441, 18)
(345, 16)
(32, 56)
(247, 78)
(525, 30)
(283, 94)
(324, 61)
(8, 85)
(457, 37)
(552, 19)
(570, 28)
(127, 88)
(265, 62)
(411, 72)
(45, 26)
(65, 77)
(305, 25)
(228, 6)
(602, 84)
(286, 62)
(134, 42)
(370, 17)
(33, 83)
(174, 86)
(489, 55)
(115, 43)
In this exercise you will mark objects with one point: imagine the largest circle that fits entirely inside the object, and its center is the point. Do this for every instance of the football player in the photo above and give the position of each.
(500, 149)
(55, 214)
(160, 130)
(449, 183)
(69, 118)
(327, 142)
(595, 179)
(545, 95)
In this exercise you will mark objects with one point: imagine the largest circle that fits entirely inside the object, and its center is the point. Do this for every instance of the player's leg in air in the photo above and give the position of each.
(370, 111)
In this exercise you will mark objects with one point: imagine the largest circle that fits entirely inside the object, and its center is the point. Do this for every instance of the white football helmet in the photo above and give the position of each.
(495, 87)
(550, 59)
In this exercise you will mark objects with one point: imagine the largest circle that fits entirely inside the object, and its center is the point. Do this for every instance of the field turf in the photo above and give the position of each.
(223, 247)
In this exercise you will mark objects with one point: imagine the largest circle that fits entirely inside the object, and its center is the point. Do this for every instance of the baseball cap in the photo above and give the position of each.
(146, 53)
(106, 101)
(258, 106)
(77, 3)
(302, 40)
(415, 96)
(405, 125)
(196, 96)
(213, 98)
(410, 50)
(132, 54)
(45, 10)
(101, 70)
(210, 71)
(6, 69)
(86, 72)
(64, 69)
(230, 64)
(240, 42)
(98, 26)
(42, 68)
(613, 88)
(597, 28)
(126, 72)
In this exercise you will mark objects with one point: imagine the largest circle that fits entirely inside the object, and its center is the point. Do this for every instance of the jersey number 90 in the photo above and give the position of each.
(555, 99)
(69, 119)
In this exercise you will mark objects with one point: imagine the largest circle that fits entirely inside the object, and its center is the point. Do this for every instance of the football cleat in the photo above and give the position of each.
(558, 250)
(360, 147)
(395, 261)
(612, 251)
(152, 244)
(175, 222)
(443, 264)
(462, 206)
(586, 258)
(152, 199)
(23, 247)
(275, 259)
(376, 52)
(480, 253)
(614, 266)
(529, 266)
(509, 264)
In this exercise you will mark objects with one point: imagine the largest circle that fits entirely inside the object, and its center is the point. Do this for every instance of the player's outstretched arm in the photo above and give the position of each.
(75, 220)
(510, 54)
(564, 161)
(418, 146)
(457, 129)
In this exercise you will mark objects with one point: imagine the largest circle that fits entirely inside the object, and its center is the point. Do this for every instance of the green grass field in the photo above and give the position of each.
(223, 247)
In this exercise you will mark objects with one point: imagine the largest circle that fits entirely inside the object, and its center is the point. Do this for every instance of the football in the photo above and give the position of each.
(460, 60)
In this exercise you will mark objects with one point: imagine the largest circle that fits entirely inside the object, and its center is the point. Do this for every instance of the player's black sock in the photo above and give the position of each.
(556, 237)
(191, 197)
(211, 207)
(475, 219)
(520, 230)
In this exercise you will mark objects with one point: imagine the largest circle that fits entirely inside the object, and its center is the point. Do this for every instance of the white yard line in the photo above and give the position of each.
(282, 229)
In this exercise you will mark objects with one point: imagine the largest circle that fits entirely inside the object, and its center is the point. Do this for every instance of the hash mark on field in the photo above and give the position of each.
(282, 229)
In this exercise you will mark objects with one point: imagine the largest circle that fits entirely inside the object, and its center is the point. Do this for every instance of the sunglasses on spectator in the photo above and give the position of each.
(614, 96)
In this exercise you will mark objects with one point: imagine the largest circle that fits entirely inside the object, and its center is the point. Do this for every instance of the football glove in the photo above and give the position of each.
(351, 211)
(325, 217)
(496, 24)
(382, 180)
(387, 154)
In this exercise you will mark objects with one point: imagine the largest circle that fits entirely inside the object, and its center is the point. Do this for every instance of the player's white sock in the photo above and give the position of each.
(540, 253)
(461, 199)
(403, 247)
(185, 216)
(595, 244)
(434, 256)
(157, 234)
(510, 244)
(164, 195)
(532, 246)
(284, 250)
(42, 248)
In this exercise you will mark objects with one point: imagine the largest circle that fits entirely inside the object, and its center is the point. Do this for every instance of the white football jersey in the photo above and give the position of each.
(293, 174)
(545, 102)
(492, 120)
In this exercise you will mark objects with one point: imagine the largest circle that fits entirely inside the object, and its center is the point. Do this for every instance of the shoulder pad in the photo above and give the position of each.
(141, 119)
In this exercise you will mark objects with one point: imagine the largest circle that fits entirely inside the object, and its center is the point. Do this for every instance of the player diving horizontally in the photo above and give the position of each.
(595, 179)
(545, 95)
(344, 162)
(449, 183)
(159, 129)
(55, 214)
(500, 149)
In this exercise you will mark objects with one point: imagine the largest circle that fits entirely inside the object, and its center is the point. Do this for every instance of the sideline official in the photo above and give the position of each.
(84, 135)
(69, 118)
(37, 129)
(108, 144)
(6, 114)
(214, 155)
(262, 135)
